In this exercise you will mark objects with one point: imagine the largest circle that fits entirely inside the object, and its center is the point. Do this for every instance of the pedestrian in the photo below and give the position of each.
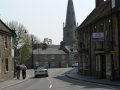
(18, 71)
(23, 68)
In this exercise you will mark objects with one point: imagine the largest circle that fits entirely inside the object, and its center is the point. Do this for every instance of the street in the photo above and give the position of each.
(57, 81)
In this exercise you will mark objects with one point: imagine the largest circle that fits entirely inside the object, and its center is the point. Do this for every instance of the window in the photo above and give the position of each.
(52, 57)
(6, 64)
(5, 41)
(81, 63)
(68, 34)
(45, 57)
(0, 64)
(63, 56)
(85, 62)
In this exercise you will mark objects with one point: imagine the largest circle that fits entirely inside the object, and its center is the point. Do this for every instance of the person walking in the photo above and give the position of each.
(23, 68)
(18, 71)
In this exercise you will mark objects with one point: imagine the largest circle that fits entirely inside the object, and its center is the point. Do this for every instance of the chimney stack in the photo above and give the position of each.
(98, 2)
(62, 45)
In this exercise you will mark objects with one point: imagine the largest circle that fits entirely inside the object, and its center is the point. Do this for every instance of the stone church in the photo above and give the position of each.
(69, 35)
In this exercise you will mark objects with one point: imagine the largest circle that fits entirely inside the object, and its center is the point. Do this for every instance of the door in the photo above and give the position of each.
(103, 66)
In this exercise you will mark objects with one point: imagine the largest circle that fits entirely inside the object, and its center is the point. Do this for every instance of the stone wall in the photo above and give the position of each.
(6, 57)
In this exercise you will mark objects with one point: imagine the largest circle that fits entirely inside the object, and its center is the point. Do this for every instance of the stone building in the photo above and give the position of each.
(99, 41)
(51, 57)
(6, 59)
(71, 52)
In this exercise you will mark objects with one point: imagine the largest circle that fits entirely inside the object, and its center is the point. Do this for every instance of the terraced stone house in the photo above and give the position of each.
(99, 41)
(6, 52)
(51, 57)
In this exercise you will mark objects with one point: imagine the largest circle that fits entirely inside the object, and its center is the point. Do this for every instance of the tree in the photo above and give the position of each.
(47, 41)
(23, 43)
(26, 50)
(20, 30)
(35, 42)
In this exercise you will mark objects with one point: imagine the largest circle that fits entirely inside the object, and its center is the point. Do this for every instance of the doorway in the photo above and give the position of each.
(103, 66)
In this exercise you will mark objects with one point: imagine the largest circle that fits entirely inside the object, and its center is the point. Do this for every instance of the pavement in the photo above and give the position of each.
(73, 74)
(8, 83)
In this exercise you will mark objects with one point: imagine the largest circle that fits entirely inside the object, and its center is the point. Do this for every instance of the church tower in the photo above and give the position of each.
(70, 25)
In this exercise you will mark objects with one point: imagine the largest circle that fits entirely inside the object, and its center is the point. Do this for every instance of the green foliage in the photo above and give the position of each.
(27, 50)
(47, 41)
(44, 46)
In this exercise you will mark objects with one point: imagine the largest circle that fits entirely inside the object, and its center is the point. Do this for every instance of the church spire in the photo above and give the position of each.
(70, 25)
(70, 16)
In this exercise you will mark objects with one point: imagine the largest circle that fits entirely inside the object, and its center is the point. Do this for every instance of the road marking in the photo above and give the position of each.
(50, 83)
(50, 86)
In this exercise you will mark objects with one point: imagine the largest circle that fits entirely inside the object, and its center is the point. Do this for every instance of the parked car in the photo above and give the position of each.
(41, 71)
(75, 65)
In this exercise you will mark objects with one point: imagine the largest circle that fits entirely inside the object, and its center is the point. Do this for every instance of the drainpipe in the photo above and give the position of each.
(90, 52)
(112, 63)
(118, 23)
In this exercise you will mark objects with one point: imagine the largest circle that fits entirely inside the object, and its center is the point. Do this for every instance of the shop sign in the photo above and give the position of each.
(98, 37)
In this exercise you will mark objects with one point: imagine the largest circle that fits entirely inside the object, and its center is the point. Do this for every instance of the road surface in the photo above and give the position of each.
(57, 81)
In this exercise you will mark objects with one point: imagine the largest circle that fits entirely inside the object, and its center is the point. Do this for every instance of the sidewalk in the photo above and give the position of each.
(74, 75)
(15, 81)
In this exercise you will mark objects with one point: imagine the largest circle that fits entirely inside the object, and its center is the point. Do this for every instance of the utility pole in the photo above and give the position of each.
(32, 52)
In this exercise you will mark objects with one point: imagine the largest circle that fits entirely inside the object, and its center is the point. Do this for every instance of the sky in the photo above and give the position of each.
(44, 18)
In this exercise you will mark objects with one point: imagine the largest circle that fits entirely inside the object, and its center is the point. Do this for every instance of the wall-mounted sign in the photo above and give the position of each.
(113, 3)
(98, 37)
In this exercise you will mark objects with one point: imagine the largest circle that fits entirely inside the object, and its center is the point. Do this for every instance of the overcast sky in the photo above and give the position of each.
(44, 18)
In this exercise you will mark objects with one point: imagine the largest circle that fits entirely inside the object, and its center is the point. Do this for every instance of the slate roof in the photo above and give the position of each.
(54, 49)
(101, 11)
(4, 27)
